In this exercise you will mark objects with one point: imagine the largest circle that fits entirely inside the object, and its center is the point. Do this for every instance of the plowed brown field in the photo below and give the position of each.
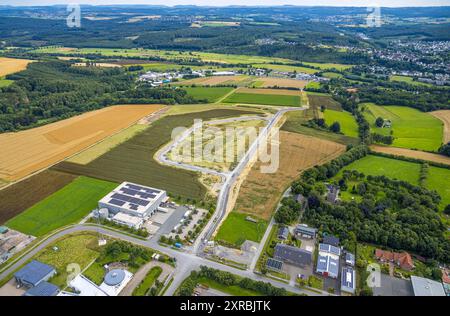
(417, 154)
(260, 192)
(281, 82)
(28, 151)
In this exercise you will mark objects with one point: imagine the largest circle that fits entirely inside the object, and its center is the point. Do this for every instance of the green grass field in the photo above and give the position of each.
(325, 66)
(265, 99)
(345, 119)
(410, 81)
(286, 67)
(72, 249)
(66, 206)
(332, 75)
(5, 82)
(438, 179)
(148, 281)
(392, 168)
(236, 229)
(313, 85)
(212, 94)
(411, 128)
(233, 290)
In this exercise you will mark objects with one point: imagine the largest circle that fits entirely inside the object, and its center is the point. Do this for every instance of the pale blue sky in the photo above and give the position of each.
(384, 3)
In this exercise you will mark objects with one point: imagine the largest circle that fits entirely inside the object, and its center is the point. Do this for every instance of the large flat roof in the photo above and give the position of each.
(132, 197)
(34, 272)
(426, 287)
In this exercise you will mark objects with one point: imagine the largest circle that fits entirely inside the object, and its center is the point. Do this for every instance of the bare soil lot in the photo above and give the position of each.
(417, 154)
(260, 192)
(444, 116)
(12, 65)
(28, 151)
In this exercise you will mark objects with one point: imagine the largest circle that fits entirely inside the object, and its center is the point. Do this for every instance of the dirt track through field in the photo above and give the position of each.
(444, 116)
(417, 154)
(28, 151)
(260, 192)
(12, 65)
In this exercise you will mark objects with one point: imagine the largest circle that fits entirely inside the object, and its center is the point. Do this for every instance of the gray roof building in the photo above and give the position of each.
(350, 259)
(331, 240)
(293, 255)
(348, 280)
(426, 287)
(305, 230)
(330, 249)
(283, 233)
(34, 273)
(43, 289)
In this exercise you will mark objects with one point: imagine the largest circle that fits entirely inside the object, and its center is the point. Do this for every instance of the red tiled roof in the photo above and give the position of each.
(403, 259)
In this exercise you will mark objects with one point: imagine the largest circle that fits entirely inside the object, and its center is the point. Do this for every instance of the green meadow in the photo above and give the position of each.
(64, 207)
(212, 94)
(264, 99)
(236, 229)
(345, 119)
(410, 127)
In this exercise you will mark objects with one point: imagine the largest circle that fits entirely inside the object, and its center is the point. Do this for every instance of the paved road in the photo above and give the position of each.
(186, 262)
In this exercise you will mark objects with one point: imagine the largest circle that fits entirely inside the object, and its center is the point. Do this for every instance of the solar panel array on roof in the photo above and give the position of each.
(348, 279)
(138, 193)
(129, 199)
(116, 202)
(274, 264)
(330, 249)
(328, 264)
(139, 188)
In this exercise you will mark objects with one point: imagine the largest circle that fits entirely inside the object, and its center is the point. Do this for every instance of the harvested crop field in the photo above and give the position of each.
(416, 154)
(31, 191)
(12, 65)
(268, 82)
(133, 160)
(260, 192)
(41, 147)
(214, 80)
(444, 116)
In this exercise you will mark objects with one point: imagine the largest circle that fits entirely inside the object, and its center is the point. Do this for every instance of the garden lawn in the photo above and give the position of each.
(236, 229)
(265, 99)
(345, 119)
(411, 128)
(66, 206)
(212, 94)
(392, 168)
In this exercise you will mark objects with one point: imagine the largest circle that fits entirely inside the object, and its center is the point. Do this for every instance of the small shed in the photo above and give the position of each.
(283, 233)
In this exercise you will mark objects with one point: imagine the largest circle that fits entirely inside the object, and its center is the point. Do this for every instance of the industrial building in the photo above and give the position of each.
(328, 260)
(34, 273)
(128, 220)
(304, 231)
(292, 255)
(133, 199)
(348, 280)
(43, 289)
(426, 287)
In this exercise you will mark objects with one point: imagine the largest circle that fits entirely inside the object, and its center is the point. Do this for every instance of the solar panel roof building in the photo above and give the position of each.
(43, 289)
(274, 264)
(348, 280)
(133, 199)
(292, 255)
(327, 265)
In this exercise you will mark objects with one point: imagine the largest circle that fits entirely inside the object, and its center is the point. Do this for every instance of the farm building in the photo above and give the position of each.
(292, 255)
(43, 289)
(34, 273)
(305, 231)
(426, 287)
(133, 199)
(348, 280)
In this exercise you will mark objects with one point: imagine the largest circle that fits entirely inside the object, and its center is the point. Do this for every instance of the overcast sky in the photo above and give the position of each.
(384, 3)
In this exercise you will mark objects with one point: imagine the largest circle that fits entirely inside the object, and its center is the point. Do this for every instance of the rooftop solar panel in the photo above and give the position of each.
(116, 202)
(130, 199)
(139, 188)
(274, 264)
